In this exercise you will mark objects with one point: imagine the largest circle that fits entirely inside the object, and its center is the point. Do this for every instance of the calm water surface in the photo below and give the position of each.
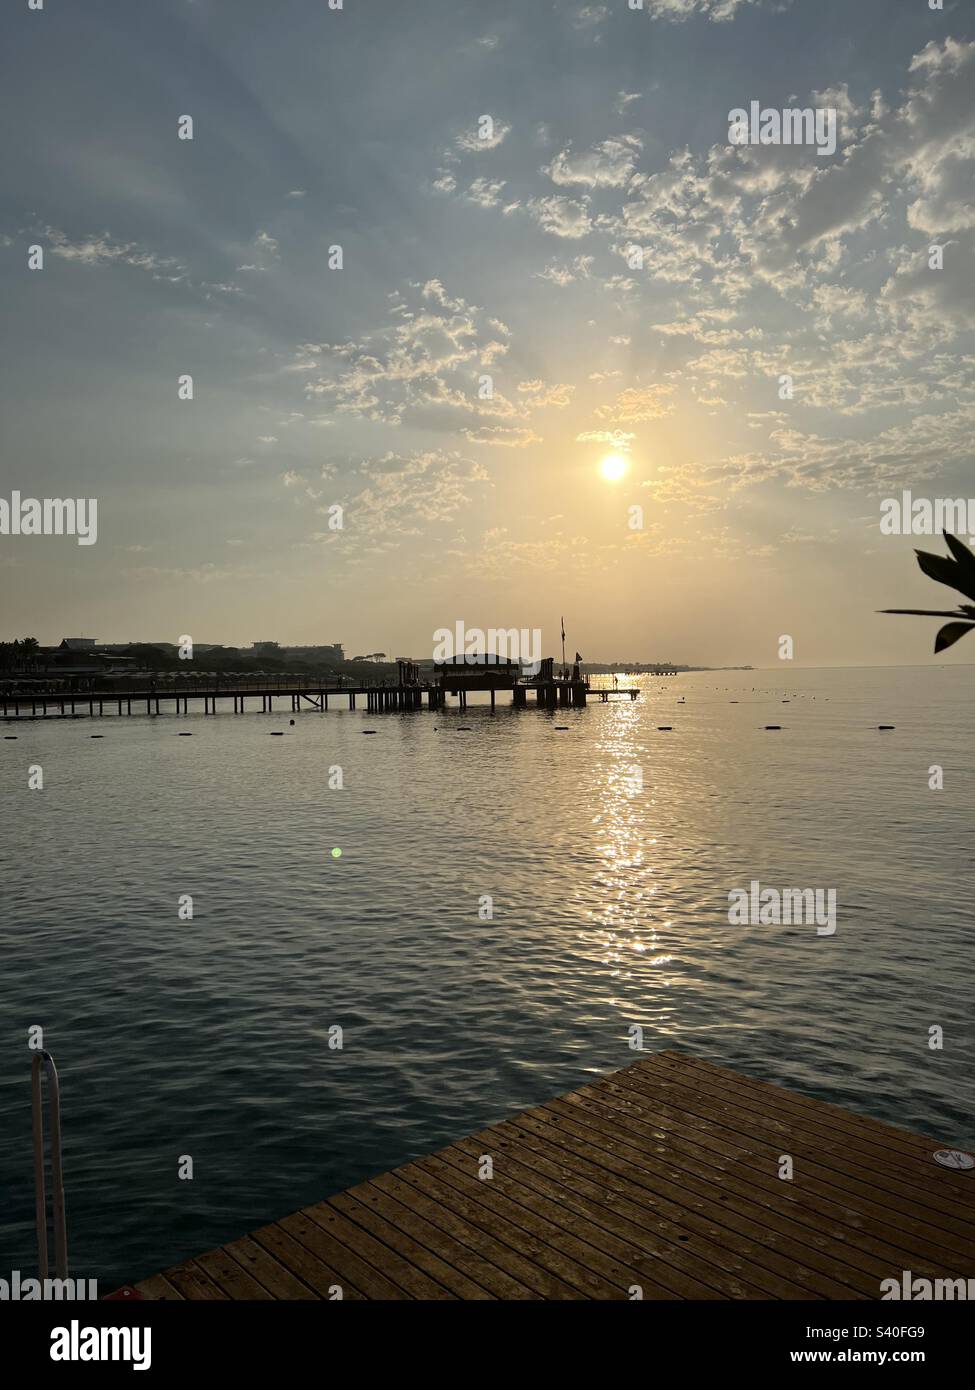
(211, 1037)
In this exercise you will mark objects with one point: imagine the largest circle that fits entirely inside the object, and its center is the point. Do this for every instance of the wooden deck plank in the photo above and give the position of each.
(909, 1174)
(365, 1214)
(347, 1263)
(641, 1255)
(769, 1191)
(665, 1104)
(270, 1273)
(650, 1199)
(721, 1146)
(500, 1268)
(231, 1277)
(573, 1261)
(874, 1227)
(407, 1219)
(907, 1157)
(510, 1245)
(608, 1255)
(383, 1259)
(900, 1141)
(603, 1207)
(761, 1151)
(193, 1282)
(303, 1264)
(648, 1179)
(662, 1175)
(158, 1288)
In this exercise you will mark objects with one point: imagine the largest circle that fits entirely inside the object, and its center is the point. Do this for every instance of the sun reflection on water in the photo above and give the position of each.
(632, 942)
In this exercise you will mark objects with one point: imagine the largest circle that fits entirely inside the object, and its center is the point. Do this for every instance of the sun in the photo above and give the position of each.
(613, 467)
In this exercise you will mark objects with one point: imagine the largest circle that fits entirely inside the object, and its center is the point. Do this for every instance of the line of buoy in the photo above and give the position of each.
(773, 726)
(368, 731)
(276, 733)
(665, 728)
(886, 726)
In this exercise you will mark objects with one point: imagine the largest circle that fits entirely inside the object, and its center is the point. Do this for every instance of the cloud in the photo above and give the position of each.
(101, 250)
(590, 16)
(620, 440)
(610, 164)
(677, 11)
(564, 274)
(904, 455)
(485, 193)
(498, 553)
(542, 394)
(502, 436)
(207, 573)
(937, 127)
(561, 217)
(263, 252)
(625, 99)
(404, 494)
(487, 134)
(638, 403)
(424, 364)
(769, 260)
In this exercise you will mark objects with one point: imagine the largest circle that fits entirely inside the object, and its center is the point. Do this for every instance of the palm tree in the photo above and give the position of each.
(29, 648)
(957, 573)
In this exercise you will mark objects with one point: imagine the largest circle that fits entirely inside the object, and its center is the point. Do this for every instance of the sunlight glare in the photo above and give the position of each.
(613, 467)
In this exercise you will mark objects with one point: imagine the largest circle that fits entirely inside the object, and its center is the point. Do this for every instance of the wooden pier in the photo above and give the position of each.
(377, 698)
(660, 1181)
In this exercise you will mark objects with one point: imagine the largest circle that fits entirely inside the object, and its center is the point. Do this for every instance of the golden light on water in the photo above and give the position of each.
(613, 467)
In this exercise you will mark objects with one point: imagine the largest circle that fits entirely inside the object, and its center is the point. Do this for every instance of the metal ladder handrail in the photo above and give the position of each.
(44, 1059)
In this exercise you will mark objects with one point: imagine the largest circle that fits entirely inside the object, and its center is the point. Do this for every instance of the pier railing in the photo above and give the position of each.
(304, 692)
(164, 684)
(44, 1062)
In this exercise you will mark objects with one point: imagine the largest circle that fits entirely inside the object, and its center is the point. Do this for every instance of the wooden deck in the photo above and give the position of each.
(21, 706)
(663, 1175)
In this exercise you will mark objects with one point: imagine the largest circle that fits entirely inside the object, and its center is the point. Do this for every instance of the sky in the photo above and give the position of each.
(455, 385)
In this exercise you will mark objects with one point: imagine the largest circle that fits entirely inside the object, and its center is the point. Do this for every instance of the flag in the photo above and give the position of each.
(578, 656)
(562, 621)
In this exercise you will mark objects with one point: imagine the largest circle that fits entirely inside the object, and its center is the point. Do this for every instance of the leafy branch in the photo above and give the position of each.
(958, 573)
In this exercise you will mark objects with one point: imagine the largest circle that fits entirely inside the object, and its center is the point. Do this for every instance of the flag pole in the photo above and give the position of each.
(562, 621)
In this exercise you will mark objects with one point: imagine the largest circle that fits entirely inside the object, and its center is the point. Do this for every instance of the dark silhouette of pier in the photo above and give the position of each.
(409, 690)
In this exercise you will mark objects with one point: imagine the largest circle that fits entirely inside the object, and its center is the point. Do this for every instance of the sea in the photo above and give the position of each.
(299, 961)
